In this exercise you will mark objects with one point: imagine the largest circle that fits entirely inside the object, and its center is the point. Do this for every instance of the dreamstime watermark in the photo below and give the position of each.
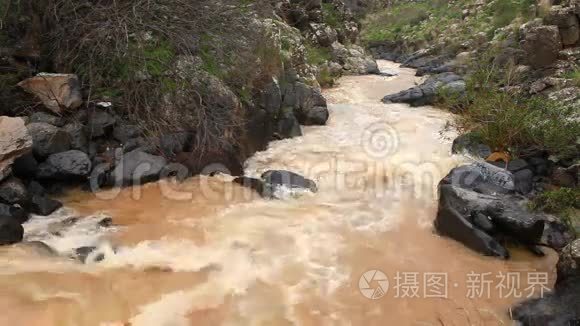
(375, 284)
(373, 172)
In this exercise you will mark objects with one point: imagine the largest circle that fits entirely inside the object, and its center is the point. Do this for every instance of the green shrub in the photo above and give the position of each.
(573, 75)
(564, 202)
(510, 121)
(316, 55)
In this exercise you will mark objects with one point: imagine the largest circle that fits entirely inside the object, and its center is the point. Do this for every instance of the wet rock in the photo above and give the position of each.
(317, 116)
(44, 206)
(58, 92)
(291, 180)
(48, 139)
(470, 144)
(68, 165)
(288, 125)
(472, 194)
(172, 144)
(137, 167)
(84, 254)
(426, 93)
(44, 117)
(13, 191)
(15, 141)
(542, 44)
(11, 232)
(13, 212)
(100, 123)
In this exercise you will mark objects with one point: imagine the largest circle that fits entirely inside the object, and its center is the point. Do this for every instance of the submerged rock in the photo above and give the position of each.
(426, 93)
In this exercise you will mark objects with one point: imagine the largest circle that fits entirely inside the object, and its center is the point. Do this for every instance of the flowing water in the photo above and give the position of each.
(207, 252)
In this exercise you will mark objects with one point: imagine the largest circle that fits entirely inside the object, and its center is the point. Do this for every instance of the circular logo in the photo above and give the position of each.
(380, 140)
(373, 284)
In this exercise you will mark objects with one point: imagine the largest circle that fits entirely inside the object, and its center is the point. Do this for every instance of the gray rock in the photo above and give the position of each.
(317, 115)
(277, 178)
(124, 133)
(13, 191)
(44, 206)
(426, 93)
(66, 165)
(288, 125)
(15, 141)
(471, 194)
(100, 122)
(469, 143)
(78, 136)
(137, 167)
(48, 139)
(567, 22)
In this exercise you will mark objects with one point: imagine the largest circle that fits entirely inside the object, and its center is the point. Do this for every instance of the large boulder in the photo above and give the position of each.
(479, 208)
(67, 165)
(14, 142)
(426, 93)
(309, 105)
(567, 22)
(354, 60)
(288, 125)
(48, 139)
(542, 44)
(137, 167)
(58, 92)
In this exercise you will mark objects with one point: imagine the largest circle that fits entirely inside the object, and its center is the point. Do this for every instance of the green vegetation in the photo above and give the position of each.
(331, 15)
(564, 202)
(573, 75)
(416, 23)
(510, 121)
(317, 55)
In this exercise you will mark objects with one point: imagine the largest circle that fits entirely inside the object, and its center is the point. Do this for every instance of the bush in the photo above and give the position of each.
(509, 121)
(143, 54)
(564, 202)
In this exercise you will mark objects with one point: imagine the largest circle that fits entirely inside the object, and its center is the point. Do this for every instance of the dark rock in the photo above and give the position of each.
(35, 188)
(44, 206)
(540, 165)
(48, 139)
(137, 167)
(469, 143)
(88, 254)
(271, 98)
(100, 123)
(13, 212)
(13, 191)
(542, 44)
(517, 165)
(25, 166)
(124, 133)
(524, 181)
(288, 125)
(277, 178)
(78, 136)
(478, 208)
(105, 222)
(317, 115)
(48, 118)
(65, 166)
(135, 143)
(426, 93)
(172, 144)
(11, 232)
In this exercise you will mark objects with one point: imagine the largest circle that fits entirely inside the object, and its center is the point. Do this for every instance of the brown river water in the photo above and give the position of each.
(207, 252)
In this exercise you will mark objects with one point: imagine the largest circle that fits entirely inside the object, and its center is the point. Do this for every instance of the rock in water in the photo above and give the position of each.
(138, 167)
(65, 165)
(290, 180)
(426, 93)
(10, 232)
(44, 206)
(479, 208)
(58, 92)
(14, 142)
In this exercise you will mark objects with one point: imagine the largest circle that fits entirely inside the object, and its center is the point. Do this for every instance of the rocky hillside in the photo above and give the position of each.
(105, 93)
